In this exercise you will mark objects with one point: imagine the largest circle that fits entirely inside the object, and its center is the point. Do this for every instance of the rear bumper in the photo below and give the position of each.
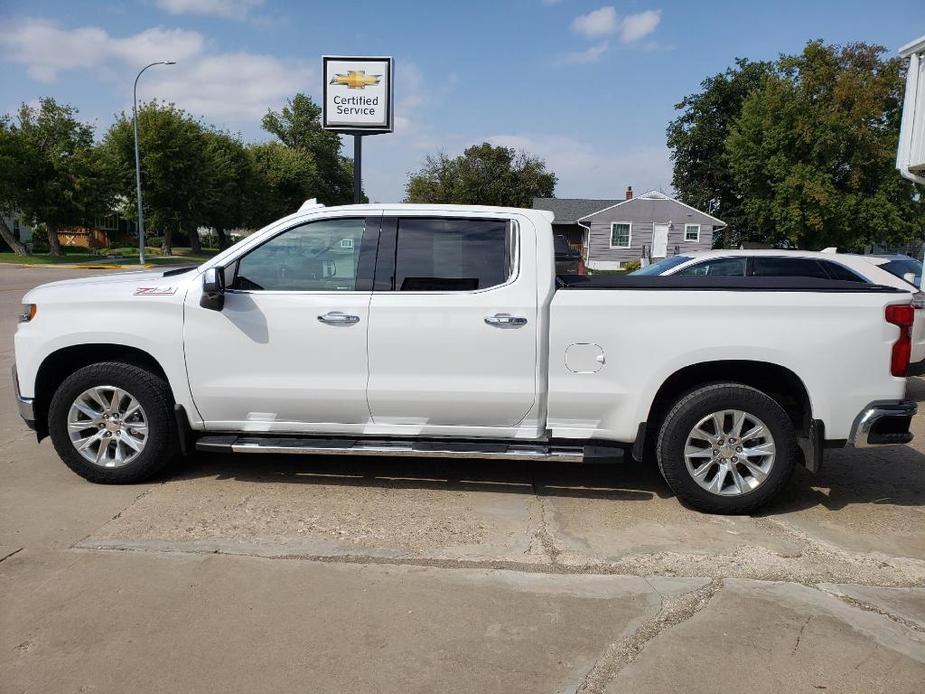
(883, 422)
(26, 409)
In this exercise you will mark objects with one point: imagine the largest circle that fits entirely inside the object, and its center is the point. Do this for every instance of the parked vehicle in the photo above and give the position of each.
(901, 266)
(432, 330)
(568, 260)
(891, 271)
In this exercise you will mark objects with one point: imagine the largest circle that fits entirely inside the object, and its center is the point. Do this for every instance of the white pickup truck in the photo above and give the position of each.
(444, 331)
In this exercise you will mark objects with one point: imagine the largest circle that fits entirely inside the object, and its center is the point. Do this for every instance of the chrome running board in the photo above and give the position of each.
(231, 443)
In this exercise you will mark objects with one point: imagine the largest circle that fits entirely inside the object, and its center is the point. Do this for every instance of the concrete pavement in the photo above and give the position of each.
(329, 574)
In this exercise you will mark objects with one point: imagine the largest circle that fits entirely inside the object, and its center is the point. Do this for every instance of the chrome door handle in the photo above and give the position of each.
(339, 318)
(505, 320)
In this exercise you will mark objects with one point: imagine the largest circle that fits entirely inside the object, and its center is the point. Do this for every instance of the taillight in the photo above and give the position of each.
(901, 315)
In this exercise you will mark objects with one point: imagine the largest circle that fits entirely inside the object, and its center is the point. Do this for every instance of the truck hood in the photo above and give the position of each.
(123, 283)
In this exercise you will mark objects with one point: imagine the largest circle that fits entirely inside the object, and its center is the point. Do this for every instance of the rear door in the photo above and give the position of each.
(453, 324)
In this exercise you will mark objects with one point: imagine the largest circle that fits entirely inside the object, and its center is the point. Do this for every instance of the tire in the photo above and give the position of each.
(152, 426)
(738, 487)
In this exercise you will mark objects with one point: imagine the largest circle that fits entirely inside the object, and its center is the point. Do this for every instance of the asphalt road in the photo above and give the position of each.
(276, 574)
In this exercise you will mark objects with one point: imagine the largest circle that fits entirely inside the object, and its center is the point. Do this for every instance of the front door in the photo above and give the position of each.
(288, 351)
(453, 326)
(659, 240)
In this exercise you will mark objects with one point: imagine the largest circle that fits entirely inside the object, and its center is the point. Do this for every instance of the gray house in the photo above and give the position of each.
(644, 228)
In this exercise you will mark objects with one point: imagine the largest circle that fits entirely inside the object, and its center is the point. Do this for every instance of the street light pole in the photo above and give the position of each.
(141, 214)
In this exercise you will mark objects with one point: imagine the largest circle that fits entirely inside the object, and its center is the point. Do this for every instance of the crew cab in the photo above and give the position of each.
(424, 330)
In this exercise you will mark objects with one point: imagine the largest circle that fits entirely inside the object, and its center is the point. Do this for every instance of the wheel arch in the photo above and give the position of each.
(778, 382)
(63, 362)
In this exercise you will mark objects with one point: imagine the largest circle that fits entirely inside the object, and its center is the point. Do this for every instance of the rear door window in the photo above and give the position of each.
(452, 254)
(763, 266)
(715, 267)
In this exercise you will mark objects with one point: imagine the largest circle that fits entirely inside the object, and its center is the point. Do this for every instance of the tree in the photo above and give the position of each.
(11, 162)
(229, 189)
(59, 178)
(697, 140)
(284, 178)
(174, 168)
(812, 152)
(482, 175)
(298, 126)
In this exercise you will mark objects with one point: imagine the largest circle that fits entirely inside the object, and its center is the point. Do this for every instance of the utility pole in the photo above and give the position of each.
(141, 214)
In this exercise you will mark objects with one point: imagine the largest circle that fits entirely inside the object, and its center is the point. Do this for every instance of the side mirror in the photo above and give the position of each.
(213, 289)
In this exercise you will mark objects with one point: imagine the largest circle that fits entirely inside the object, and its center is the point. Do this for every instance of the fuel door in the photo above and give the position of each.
(584, 358)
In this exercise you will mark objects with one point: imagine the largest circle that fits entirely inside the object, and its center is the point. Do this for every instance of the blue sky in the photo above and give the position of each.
(589, 86)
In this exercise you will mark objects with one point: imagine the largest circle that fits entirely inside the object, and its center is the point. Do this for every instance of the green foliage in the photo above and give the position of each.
(285, 177)
(174, 167)
(632, 265)
(298, 127)
(800, 152)
(697, 140)
(814, 150)
(482, 175)
(231, 189)
(56, 175)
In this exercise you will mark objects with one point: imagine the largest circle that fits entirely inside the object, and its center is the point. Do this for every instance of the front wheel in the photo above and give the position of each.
(727, 448)
(113, 423)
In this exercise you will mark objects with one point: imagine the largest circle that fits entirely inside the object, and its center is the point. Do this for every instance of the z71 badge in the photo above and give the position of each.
(155, 291)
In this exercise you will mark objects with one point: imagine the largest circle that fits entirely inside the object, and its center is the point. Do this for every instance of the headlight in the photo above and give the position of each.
(28, 313)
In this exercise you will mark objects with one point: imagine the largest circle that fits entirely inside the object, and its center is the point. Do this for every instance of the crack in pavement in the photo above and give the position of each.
(870, 607)
(674, 610)
(10, 554)
(542, 534)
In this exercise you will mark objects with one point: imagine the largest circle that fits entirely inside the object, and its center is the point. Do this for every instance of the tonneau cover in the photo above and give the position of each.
(729, 284)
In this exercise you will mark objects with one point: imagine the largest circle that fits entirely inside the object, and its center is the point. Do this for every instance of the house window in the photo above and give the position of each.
(692, 232)
(620, 234)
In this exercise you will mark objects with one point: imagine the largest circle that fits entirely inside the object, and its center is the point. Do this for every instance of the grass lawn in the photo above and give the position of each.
(112, 256)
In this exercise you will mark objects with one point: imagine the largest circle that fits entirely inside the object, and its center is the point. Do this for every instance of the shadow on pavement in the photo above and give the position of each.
(616, 480)
(889, 476)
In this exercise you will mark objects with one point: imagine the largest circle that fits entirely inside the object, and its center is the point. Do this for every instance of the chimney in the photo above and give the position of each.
(629, 192)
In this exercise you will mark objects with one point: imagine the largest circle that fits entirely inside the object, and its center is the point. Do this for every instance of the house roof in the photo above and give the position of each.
(653, 195)
(570, 210)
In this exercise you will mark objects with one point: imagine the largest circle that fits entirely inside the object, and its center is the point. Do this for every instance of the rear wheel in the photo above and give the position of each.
(113, 423)
(727, 448)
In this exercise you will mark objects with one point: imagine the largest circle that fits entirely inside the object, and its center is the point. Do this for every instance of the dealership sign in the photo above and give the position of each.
(357, 94)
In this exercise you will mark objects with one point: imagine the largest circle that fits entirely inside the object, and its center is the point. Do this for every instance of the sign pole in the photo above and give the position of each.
(357, 168)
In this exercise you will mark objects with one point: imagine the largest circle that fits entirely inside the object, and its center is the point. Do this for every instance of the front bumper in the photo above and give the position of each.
(26, 409)
(883, 422)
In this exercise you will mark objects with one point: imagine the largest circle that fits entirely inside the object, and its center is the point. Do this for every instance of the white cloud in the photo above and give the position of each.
(636, 26)
(232, 86)
(229, 87)
(590, 170)
(601, 22)
(229, 9)
(589, 55)
(46, 49)
(605, 22)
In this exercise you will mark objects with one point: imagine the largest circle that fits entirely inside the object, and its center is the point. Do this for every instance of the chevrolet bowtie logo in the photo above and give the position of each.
(356, 79)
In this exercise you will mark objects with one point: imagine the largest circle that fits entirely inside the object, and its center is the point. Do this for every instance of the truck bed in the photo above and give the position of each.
(758, 284)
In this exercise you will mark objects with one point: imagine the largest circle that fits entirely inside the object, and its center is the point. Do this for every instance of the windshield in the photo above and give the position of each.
(662, 266)
(902, 266)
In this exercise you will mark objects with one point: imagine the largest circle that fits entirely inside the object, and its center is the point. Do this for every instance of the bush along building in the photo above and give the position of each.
(612, 233)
